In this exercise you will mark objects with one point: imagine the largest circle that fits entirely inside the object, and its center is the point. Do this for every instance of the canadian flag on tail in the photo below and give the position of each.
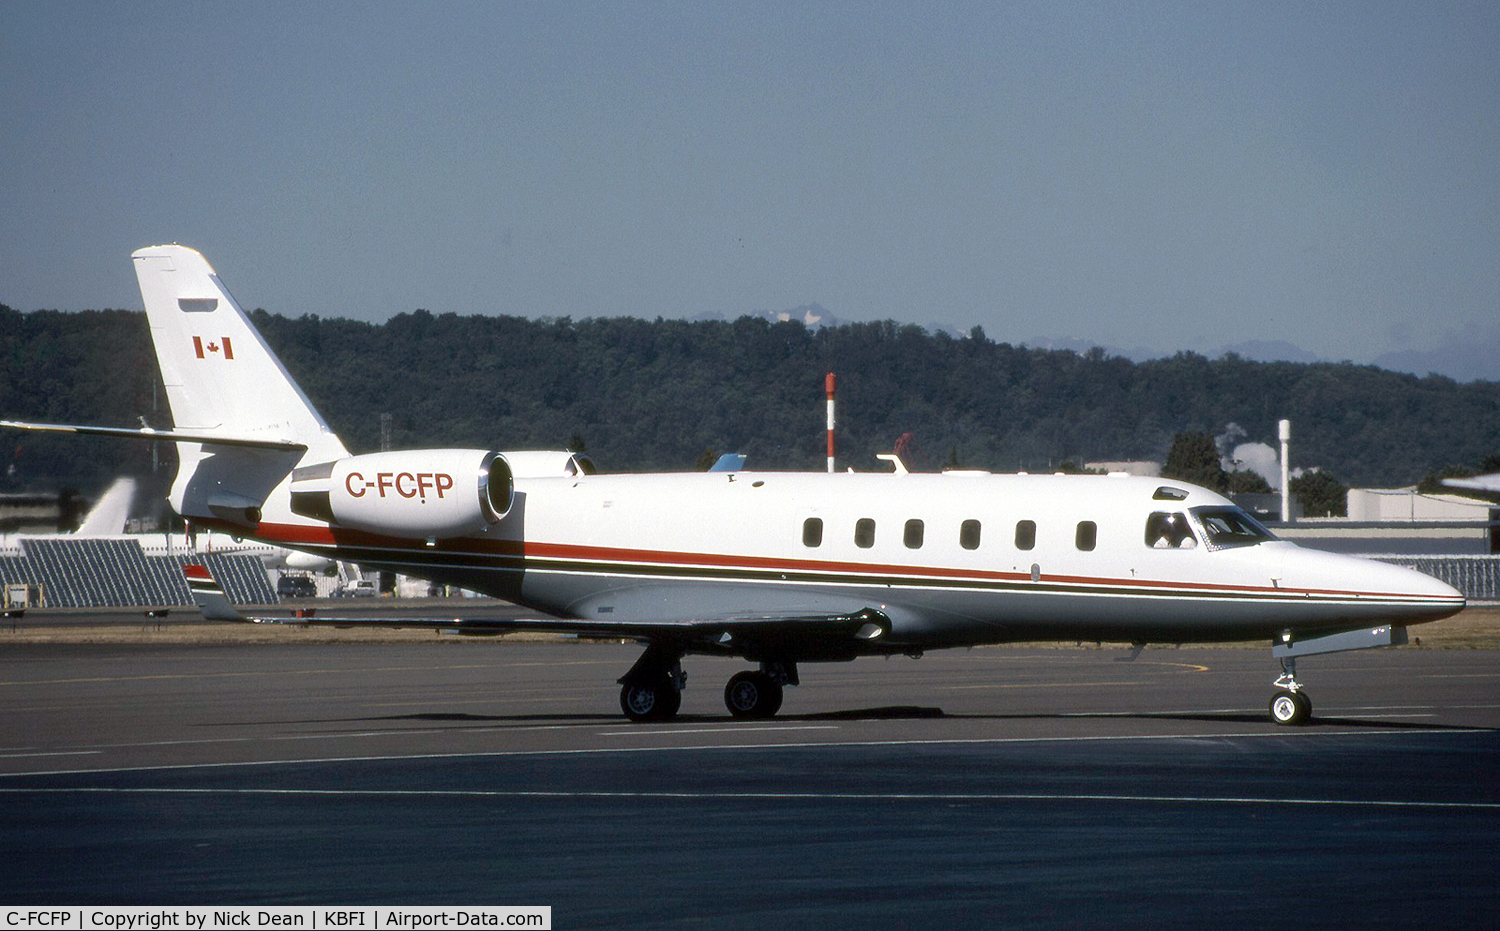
(211, 348)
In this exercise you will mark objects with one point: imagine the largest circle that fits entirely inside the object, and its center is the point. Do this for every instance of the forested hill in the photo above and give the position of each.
(658, 395)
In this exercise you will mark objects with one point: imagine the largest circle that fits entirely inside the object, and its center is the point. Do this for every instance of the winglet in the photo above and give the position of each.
(209, 594)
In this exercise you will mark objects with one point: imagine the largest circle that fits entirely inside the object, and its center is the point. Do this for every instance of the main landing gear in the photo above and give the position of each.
(652, 689)
(758, 694)
(650, 701)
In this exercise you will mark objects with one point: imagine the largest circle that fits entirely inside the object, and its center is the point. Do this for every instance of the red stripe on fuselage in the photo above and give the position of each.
(602, 559)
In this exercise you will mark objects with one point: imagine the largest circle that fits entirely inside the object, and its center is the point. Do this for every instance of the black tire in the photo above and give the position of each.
(1305, 704)
(671, 701)
(752, 695)
(650, 701)
(1290, 708)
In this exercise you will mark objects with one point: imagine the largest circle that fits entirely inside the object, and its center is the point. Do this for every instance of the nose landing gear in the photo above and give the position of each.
(1290, 705)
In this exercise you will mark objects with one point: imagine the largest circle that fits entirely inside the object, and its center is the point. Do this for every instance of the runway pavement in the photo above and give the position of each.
(998, 786)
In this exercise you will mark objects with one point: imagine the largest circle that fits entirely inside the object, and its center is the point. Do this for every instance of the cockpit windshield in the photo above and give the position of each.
(1230, 527)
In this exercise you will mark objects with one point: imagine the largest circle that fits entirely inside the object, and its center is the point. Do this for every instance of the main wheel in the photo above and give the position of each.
(1292, 708)
(650, 701)
(752, 695)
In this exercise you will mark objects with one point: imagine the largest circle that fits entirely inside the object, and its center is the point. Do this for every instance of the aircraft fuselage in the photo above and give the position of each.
(951, 559)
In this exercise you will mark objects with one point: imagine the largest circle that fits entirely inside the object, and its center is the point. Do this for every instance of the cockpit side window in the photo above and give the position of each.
(1230, 527)
(1169, 531)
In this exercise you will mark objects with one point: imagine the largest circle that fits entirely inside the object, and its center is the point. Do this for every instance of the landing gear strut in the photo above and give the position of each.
(1290, 705)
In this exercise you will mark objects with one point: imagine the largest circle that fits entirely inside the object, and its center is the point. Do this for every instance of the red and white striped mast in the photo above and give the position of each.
(829, 383)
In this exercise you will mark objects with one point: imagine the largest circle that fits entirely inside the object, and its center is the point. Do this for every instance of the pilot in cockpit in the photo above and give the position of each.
(1169, 531)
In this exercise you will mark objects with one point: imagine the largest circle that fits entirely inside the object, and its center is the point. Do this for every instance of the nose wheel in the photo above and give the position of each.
(1291, 708)
(1290, 705)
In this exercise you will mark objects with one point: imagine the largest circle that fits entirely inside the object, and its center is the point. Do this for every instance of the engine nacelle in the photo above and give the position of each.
(429, 494)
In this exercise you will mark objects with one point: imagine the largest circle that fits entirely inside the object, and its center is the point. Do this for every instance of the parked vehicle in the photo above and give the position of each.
(357, 588)
(296, 586)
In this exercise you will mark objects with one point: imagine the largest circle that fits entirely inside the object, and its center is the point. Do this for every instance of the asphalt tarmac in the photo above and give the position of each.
(1013, 787)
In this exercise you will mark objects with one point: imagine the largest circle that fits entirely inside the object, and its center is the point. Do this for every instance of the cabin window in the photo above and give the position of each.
(1026, 535)
(812, 532)
(1166, 531)
(1087, 536)
(864, 533)
(912, 535)
(968, 535)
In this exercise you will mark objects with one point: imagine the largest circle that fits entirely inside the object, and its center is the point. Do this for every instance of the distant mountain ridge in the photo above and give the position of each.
(1468, 354)
(812, 316)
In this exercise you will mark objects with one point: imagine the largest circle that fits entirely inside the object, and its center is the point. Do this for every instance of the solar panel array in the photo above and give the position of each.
(103, 573)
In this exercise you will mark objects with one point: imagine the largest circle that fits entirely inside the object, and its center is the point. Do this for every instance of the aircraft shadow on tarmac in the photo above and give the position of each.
(889, 713)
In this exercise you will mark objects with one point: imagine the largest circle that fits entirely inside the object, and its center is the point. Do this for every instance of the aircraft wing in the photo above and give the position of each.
(731, 633)
(147, 433)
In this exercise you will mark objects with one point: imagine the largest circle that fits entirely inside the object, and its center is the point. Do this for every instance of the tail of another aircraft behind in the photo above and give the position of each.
(108, 516)
(209, 594)
(250, 423)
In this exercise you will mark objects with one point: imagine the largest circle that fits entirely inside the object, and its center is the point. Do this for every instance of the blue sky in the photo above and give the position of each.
(1157, 175)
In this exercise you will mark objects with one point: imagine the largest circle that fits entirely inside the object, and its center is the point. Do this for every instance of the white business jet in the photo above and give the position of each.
(781, 569)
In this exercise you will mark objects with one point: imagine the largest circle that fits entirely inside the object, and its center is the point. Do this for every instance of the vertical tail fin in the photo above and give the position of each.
(219, 373)
(107, 517)
(222, 379)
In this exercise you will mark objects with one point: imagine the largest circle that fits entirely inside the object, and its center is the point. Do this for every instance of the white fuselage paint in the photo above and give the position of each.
(726, 545)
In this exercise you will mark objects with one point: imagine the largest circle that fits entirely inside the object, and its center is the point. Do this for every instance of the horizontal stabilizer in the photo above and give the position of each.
(147, 433)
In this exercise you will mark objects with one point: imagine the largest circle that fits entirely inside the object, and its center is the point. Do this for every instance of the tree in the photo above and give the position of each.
(1432, 482)
(1321, 494)
(1069, 467)
(1247, 482)
(652, 395)
(1194, 458)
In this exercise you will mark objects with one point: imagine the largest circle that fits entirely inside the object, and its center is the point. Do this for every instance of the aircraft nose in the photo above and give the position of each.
(1375, 589)
(1429, 597)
